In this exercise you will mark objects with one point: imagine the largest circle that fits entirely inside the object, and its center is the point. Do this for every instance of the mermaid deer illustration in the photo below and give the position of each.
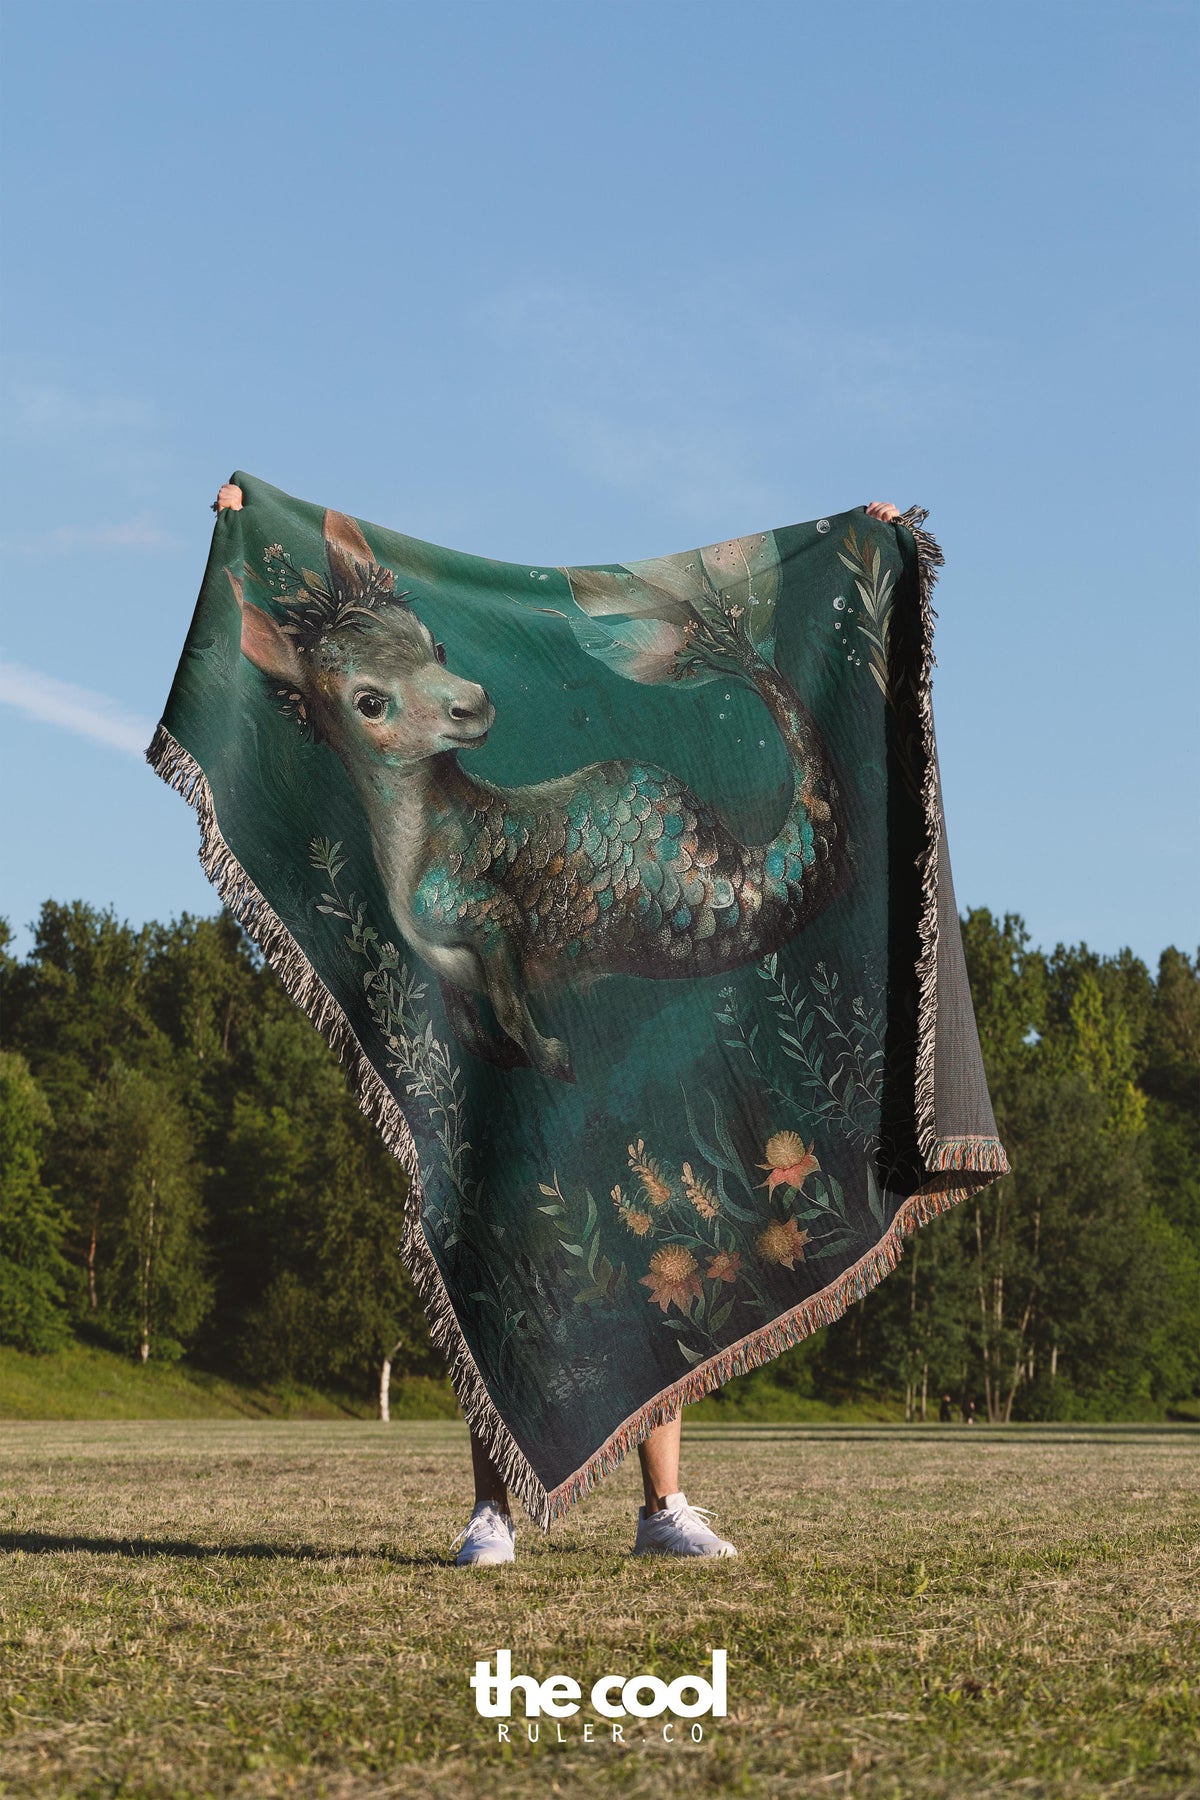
(617, 868)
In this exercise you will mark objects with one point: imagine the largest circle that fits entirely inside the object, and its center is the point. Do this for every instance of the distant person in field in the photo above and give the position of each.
(667, 1524)
(945, 1411)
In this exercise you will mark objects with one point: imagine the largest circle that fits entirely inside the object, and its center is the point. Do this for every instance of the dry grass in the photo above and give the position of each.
(247, 1609)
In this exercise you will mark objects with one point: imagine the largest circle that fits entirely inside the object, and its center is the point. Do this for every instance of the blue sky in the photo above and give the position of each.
(575, 282)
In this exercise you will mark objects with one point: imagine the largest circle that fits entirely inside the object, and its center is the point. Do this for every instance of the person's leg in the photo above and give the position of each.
(659, 1457)
(658, 1453)
(489, 1485)
(488, 1536)
(668, 1525)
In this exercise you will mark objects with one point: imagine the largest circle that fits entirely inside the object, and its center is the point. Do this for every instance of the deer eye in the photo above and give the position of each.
(439, 650)
(371, 706)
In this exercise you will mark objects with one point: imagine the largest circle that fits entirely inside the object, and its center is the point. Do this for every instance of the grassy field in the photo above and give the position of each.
(248, 1609)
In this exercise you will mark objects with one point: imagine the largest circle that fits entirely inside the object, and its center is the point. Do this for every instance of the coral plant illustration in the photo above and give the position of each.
(616, 868)
(790, 1161)
(702, 1254)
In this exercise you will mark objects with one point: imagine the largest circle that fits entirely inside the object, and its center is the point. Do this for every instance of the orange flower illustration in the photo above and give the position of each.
(790, 1161)
(700, 1193)
(723, 1266)
(648, 1170)
(630, 1216)
(782, 1242)
(673, 1279)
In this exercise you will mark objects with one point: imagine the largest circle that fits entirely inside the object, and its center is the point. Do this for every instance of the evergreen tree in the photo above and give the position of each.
(311, 1211)
(1170, 1075)
(32, 1224)
(152, 1283)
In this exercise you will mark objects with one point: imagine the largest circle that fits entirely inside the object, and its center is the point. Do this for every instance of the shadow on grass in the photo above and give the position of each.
(44, 1542)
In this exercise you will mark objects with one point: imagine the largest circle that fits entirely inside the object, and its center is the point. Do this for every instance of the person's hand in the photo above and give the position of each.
(230, 496)
(878, 509)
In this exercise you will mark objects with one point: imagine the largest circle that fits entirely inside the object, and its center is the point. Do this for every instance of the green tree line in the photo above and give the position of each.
(183, 1171)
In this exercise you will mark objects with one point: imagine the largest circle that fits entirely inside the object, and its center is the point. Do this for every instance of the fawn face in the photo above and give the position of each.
(377, 690)
(379, 694)
(385, 694)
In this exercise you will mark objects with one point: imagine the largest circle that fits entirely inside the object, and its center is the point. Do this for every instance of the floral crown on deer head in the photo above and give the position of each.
(347, 598)
(318, 608)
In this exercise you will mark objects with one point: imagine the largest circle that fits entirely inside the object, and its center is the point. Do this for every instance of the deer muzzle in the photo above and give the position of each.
(471, 714)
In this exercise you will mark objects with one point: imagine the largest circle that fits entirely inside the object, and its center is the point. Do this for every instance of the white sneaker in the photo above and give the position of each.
(487, 1539)
(678, 1530)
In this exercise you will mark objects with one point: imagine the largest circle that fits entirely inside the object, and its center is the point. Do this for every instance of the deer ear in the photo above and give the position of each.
(347, 552)
(269, 648)
(342, 533)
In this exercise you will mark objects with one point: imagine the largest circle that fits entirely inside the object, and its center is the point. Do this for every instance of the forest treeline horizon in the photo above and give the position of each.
(184, 1173)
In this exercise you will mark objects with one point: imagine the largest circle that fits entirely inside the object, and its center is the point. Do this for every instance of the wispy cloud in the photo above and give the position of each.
(722, 399)
(51, 410)
(64, 540)
(79, 710)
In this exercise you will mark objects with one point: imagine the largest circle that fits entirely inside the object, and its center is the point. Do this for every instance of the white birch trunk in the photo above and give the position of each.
(385, 1384)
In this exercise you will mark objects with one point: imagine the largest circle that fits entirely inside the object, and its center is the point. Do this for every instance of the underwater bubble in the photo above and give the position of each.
(840, 603)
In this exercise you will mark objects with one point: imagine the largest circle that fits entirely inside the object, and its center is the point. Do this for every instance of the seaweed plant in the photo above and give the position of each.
(835, 1043)
(394, 995)
(875, 587)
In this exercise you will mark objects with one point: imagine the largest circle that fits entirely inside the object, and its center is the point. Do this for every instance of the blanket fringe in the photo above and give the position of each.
(981, 1156)
(929, 561)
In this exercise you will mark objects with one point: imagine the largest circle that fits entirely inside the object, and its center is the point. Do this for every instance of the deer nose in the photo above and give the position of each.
(477, 707)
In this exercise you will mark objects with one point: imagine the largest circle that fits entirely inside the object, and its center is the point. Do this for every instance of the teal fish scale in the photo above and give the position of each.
(633, 868)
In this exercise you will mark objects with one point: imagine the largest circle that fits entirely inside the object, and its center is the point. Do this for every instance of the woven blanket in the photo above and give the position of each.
(623, 894)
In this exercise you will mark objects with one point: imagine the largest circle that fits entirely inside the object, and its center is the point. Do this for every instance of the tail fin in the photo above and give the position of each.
(681, 618)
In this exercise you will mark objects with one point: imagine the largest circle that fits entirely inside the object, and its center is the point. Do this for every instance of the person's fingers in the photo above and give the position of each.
(230, 495)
